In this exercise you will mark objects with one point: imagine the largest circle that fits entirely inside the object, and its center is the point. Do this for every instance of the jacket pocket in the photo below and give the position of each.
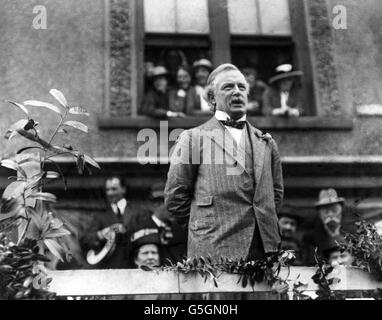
(204, 201)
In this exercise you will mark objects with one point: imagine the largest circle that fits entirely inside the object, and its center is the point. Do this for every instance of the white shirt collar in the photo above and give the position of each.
(121, 204)
(222, 115)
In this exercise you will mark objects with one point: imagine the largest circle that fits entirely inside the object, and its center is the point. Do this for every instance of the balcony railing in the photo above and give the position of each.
(139, 282)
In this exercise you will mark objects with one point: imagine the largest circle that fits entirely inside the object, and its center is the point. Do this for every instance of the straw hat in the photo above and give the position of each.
(284, 71)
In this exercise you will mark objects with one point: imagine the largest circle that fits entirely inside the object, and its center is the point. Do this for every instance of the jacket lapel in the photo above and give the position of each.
(258, 145)
(224, 140)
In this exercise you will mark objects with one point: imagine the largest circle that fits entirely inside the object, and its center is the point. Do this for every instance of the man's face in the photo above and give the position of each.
(339, 258)
(148, 255)
(201, 76)
(160, 84)
(331, 216)
(184, 79)
(231, 93)
(114, 190)
(288, 227)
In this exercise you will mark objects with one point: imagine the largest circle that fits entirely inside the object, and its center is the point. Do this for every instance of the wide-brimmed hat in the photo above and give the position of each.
(328, 196)
(284, 71)
(158, 71)
(145, 236)
(202, 63)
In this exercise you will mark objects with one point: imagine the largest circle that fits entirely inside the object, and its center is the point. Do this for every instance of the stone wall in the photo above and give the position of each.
(70, 56)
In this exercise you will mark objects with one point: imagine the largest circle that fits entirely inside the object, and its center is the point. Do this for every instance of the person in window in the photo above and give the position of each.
(201, 69)
(289, 223)
(182, 97)
(283, 98)
(256, 91)
(156, 100)
(173, 59)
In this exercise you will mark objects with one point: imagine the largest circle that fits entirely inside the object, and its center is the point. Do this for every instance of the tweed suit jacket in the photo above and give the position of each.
(219, 208)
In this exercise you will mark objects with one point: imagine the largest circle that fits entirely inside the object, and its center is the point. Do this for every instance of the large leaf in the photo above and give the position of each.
(79, 110)
(91, 161)
(54, 248)
(14, 127)
(59, 96)
(36, 219)
(11, 164)
(44, 196)
(19, 106)
(78, 125)
(14, 189)
(36, 103)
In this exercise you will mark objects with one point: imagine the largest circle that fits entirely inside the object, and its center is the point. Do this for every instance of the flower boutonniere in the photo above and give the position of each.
(266, 136)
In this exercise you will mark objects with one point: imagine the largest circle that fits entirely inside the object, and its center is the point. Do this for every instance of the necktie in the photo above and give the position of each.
(234, 124)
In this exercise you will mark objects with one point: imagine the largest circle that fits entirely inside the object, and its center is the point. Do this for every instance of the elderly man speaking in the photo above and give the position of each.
(228, 213)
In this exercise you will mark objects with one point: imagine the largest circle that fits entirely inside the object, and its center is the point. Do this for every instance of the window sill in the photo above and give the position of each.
(274, 123)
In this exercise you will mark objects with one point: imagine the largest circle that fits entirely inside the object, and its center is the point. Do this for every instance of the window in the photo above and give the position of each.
(260, 34)
(178, 35)
(257, 33)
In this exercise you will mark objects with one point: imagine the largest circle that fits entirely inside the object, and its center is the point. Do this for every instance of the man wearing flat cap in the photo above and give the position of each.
(328, 224)
(225, 179)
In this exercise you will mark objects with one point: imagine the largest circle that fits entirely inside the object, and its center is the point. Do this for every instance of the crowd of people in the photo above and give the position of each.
(181, 91)
(152, 237)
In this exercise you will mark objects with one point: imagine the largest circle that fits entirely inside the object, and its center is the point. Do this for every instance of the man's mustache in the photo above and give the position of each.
(334, 219)
(237, 100)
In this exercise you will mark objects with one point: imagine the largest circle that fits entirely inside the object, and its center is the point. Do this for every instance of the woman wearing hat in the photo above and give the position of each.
(156, 101)
(201, 70)
(283, 98)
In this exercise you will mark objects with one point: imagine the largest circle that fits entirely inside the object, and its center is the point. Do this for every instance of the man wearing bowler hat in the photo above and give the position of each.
(328, 224)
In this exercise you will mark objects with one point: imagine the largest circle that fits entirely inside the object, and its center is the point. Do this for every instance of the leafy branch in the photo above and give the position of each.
(24, 202)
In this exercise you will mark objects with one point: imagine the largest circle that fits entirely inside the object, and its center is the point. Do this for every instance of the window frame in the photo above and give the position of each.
(221, 41)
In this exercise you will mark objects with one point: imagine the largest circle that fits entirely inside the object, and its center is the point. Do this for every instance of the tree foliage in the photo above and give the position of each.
(24, 206)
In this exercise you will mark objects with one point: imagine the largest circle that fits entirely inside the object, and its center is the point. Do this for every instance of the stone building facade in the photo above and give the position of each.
(93, 51)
